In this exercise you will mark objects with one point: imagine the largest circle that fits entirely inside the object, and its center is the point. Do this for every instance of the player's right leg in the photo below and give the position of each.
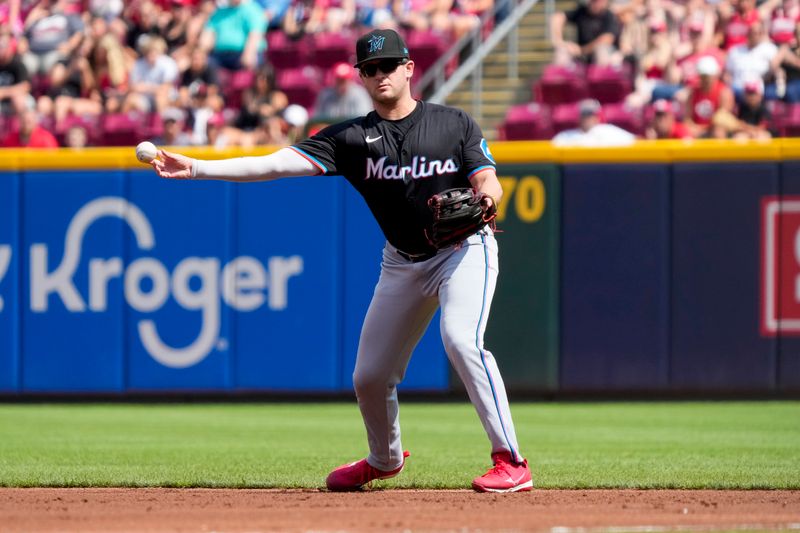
(397, 318)
(465, 293)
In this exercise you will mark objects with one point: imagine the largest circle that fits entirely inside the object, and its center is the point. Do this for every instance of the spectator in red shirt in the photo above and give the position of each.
(30, 134)
(707, 98)
(783, 22)
(733, 28)
(663, 124)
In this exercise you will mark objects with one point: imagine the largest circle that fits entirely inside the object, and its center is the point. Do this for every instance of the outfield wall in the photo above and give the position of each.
(662, 267)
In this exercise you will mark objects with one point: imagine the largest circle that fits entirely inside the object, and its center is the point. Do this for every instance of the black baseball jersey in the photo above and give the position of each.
(397, 165)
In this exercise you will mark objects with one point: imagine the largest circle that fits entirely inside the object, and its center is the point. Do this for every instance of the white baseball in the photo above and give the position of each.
(146, 152)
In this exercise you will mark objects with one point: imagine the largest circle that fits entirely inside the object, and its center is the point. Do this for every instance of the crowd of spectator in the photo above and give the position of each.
(199, 72)
(675, 68)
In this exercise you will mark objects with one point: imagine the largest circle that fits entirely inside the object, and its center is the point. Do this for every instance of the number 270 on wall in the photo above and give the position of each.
(525, 194)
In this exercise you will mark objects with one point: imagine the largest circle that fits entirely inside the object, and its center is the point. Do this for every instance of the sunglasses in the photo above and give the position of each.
(387, 66)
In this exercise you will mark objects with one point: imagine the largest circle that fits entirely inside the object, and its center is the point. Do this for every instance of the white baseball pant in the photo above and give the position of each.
(460, 279)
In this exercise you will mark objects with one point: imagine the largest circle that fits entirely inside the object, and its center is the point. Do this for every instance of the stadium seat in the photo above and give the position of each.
(608, 85)
(331, 48)
(530, 121)
(425, 47)
(301, 85)
(565, 116)
(233, 84)
(560, 85)
(624, 117)
(787, 120)
(90, 123)
(121, 129)
(283, 52)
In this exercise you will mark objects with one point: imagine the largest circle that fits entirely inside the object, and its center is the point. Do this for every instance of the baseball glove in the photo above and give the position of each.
(457, 214)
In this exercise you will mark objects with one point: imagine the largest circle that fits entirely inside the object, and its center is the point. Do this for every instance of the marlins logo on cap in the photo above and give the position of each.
(380, 44)
(376, 43)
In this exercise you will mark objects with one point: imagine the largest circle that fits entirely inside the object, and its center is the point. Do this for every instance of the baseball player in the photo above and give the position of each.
(403, 158)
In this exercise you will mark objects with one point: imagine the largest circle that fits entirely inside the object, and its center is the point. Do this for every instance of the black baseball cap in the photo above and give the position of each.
(380, 44)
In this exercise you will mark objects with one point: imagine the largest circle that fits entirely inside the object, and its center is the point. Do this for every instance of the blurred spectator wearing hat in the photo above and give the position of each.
(786, 65)
(753, 115)
(29, 134)
(235, 35)
(15, 83)
(173, 121)
(345, 99)
(598, 30)
(51, 35)
(663, 125)
(296, 119)
(261, 101)
(591, 131)
(750, 60)
(153, 78)
(707, 97)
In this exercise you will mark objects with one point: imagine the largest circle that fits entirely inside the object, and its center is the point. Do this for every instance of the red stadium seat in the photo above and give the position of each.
(233, 84)
(786, 119)
(91, 123)
(529, 121)
(565, 117)
(425, 48)
(331, 48)
(301, 85)
(608, 85)
(625, 117)
(560, 85)
(283, 52)
(121, 129)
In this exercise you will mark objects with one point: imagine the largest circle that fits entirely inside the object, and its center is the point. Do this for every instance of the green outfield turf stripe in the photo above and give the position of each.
(691, 445)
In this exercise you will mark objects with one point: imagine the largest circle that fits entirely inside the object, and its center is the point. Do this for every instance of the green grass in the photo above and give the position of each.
(575, 445)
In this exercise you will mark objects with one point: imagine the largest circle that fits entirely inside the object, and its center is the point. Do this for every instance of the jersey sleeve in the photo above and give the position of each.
(476, 154)
(320, 150)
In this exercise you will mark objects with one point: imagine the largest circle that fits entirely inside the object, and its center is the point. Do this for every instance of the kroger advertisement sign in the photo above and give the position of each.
(116, 281)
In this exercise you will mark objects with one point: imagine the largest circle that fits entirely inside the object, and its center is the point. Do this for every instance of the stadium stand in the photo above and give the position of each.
(217, 79)
(651, 51)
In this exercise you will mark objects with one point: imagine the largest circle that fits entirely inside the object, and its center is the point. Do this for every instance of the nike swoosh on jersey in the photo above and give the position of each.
(370, 140)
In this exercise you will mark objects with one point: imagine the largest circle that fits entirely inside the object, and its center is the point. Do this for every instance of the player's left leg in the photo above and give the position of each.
(397, 317)
(465, 295)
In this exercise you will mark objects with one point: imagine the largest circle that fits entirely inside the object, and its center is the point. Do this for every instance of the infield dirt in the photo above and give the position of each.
(247, 510)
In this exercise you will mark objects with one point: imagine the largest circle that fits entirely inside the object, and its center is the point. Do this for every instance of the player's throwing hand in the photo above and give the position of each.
(173, 166)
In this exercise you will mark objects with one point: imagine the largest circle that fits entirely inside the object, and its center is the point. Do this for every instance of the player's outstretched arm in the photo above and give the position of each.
(282, 164)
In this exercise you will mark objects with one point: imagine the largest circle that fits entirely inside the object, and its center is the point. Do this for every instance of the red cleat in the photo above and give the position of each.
(505, 476)
(352, 476)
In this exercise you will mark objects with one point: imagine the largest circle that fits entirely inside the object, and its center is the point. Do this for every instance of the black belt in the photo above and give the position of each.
(416, 258)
